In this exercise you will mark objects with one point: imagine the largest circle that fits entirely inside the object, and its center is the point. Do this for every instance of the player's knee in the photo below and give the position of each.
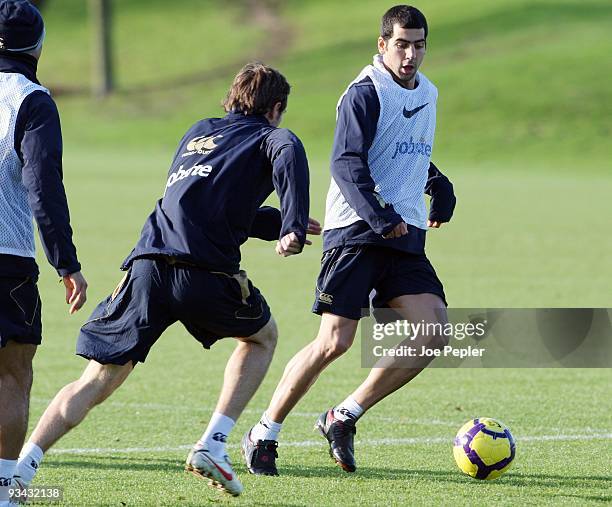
(267, 336)
(17, 376)
(271, 334)
(334, 343)
(437, 339)
(17, 383)
(100, 381)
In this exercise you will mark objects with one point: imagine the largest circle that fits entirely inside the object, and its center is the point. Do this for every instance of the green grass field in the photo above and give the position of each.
(523, 133)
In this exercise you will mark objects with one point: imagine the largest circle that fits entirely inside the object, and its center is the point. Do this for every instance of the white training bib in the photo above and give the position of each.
(401, 151)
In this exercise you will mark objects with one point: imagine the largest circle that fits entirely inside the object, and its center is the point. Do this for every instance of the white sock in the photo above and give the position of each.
(7, 470)
(216, 434)
(29, 460)
(265, 429)
(348, 409)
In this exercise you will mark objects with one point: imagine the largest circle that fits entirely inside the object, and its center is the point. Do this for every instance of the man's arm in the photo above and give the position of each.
(291, 181)
(355, 131)
(267, 224)
(443, 198)
(38, 142)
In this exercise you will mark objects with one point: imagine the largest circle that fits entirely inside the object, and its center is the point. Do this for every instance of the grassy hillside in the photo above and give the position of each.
(515, 86)
(522, 83)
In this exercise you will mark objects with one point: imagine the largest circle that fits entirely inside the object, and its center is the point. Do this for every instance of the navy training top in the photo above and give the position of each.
(222, 172)
(38, 143)
(355, 131)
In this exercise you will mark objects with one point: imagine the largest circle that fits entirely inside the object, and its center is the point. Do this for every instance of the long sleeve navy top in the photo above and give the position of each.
(223, 171)
(355, 131)
(38, 143)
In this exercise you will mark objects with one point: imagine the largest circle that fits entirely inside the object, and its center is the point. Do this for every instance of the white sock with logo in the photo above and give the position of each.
(265, 429)
(7, 470)
(29, 460)
(348, 409)
(215, 436)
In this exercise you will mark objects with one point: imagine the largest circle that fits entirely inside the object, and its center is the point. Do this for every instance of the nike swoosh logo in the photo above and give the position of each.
(223, 472)
(411, 113)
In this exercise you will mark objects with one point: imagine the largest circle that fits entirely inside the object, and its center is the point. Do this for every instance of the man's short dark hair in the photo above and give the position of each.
(405, 16)
(255, 90)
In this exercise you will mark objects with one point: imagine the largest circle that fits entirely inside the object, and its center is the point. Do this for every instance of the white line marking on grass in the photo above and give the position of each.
(126, 450)
(318, 443)
(544, 438)
(308, 415)
(258, 412)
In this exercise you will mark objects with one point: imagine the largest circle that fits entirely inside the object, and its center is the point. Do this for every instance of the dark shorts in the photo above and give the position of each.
(20, 309)
(154, 295)
(350, 274)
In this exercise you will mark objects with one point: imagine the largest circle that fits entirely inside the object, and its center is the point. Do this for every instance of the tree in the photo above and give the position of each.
(102, 69)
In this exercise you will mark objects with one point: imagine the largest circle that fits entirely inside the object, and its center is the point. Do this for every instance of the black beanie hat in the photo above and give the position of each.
(21, 25)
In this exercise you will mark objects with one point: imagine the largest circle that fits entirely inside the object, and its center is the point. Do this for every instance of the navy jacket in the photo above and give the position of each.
(38, 142)
(355, 131)
(223, 170)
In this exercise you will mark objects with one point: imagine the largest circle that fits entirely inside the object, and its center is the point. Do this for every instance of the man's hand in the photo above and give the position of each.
(434, 224)
(314, 228)
(398, 231)
(289, 245)
(76, 291)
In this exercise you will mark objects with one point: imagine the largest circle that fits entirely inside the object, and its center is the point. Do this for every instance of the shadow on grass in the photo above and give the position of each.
(332, 471)
(556, 481)
(510, 479)
(365, 472)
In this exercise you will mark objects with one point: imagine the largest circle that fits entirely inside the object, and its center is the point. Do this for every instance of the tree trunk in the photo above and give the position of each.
(102, 69)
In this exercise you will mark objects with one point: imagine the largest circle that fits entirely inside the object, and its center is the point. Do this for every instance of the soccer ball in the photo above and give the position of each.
(484, 448)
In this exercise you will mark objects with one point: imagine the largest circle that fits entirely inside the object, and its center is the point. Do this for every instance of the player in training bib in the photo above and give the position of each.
(186, 267)
(31, 189)
(374, 235)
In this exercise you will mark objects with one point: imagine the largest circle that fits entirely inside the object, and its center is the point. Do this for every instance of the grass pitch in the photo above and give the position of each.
(131, 448)
(522, 133)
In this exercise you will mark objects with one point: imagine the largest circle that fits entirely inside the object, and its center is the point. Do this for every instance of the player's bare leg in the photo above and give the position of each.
(381, 382)
(337, 425)
(69, 407)
(336, 335)
(246, 369)
(244, 372)
(75, 400)
(15, 385)
(67, 410)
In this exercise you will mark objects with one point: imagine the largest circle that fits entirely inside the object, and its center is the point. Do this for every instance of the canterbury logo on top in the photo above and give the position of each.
(401, 151)
(202, 145)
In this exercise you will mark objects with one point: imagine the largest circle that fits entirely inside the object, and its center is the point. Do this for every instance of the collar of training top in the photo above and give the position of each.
(239, 115)
(19, 63)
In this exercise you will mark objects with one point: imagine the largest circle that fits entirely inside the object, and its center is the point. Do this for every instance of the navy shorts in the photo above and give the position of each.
(349, 274)
(155, 294)
(20, 309)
